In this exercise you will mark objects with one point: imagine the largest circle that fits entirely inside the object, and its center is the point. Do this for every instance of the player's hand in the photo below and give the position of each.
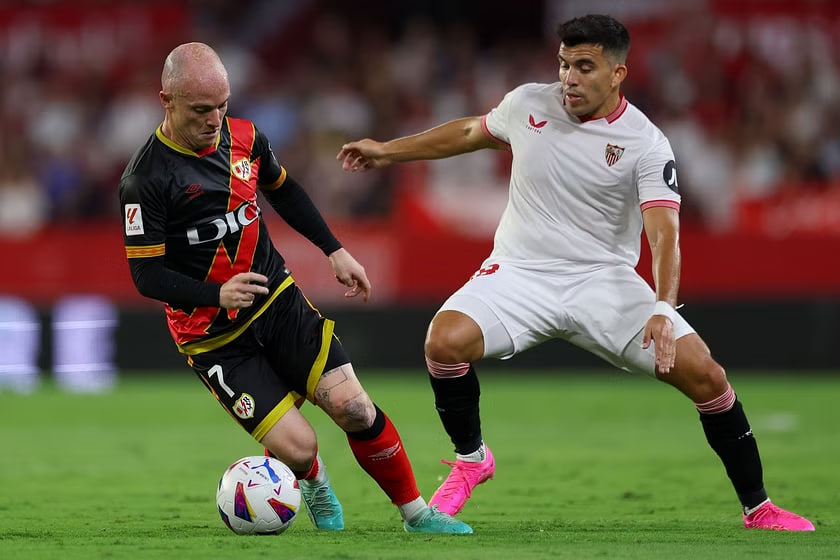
(350, 273)
(660, 330)
(242, 289)
(363, 155)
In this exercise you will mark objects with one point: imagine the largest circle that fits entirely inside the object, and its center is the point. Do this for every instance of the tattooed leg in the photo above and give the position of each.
(340, 394)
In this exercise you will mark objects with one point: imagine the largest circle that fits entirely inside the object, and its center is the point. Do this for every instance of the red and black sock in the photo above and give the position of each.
(380, 452)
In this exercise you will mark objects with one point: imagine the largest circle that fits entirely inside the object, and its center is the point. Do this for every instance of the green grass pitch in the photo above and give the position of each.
(593, 465)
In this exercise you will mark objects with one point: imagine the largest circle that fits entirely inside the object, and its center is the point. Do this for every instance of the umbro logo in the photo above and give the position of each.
(386, 453)
(193, 191)
(534, 125)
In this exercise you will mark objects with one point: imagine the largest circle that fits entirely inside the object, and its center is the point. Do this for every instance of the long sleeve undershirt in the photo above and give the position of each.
(292, 203)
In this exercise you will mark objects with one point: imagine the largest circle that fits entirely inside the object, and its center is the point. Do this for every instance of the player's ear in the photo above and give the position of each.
(619, 73)
(165, 99)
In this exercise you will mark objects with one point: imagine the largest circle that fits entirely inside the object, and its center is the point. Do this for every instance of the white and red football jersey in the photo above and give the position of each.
(577, 188)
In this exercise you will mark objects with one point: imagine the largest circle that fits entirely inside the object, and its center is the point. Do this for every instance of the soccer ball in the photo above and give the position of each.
(258, 496)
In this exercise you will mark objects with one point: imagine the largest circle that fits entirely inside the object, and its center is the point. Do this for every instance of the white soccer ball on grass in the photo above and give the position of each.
(258, 496)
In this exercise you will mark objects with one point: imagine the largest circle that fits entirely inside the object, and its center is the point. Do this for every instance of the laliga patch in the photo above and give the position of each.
(133, 220)
(242, 169)
(244, 406)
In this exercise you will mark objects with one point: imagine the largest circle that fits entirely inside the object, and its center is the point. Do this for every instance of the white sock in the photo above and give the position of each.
(477, 456)
(749, 511)
(413, 510)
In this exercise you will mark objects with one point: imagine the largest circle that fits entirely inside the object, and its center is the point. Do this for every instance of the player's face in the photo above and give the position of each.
(590, 80)
(195, 117)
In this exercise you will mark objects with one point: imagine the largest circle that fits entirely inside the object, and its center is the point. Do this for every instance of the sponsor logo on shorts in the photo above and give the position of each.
(244, 406)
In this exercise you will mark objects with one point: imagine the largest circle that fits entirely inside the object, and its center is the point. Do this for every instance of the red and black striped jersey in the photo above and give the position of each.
(198, 212)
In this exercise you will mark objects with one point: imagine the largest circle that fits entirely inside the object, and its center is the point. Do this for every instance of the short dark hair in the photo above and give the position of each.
(596, 29)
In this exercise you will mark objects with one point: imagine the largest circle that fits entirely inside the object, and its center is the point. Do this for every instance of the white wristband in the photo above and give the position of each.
(664, 308)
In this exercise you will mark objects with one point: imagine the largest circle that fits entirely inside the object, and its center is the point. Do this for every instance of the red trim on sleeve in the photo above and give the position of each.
(661, 203)
(490, 134)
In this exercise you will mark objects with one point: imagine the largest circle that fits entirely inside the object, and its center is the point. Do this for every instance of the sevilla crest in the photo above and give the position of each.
(613, 153)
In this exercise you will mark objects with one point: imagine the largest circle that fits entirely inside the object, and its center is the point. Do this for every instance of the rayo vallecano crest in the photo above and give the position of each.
(613, 153)
(242, 169)
(244, 406)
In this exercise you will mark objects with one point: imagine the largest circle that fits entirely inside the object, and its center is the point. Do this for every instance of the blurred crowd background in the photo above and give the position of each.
(748, 92)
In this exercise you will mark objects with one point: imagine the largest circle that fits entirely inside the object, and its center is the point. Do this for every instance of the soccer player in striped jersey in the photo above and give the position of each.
(196, 240)
(590, 171)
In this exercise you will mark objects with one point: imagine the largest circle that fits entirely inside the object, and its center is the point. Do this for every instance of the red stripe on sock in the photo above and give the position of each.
(385, 460)
(439, 370)
(313, 470)
(721, 404)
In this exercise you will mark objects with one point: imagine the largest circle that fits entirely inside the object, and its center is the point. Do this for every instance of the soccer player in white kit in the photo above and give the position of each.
(589, 172)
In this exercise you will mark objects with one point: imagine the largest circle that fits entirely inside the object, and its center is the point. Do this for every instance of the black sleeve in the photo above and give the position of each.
(155, 281)
(270, 170)
(297, 209)
(145, 229)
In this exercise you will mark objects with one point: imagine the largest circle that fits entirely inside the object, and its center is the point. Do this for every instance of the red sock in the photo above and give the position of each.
(308, 475)
(379, 451)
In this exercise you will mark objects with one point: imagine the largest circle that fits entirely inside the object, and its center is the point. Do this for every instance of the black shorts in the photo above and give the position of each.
(274, 364)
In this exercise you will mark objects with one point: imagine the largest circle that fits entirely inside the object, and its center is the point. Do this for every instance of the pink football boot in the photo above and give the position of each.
(772, 517)
(458, 486)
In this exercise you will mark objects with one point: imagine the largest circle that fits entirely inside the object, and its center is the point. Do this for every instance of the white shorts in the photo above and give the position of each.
(602, 309)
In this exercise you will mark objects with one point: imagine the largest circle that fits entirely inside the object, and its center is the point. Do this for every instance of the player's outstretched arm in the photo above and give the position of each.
(349, 272)
(449, 139)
